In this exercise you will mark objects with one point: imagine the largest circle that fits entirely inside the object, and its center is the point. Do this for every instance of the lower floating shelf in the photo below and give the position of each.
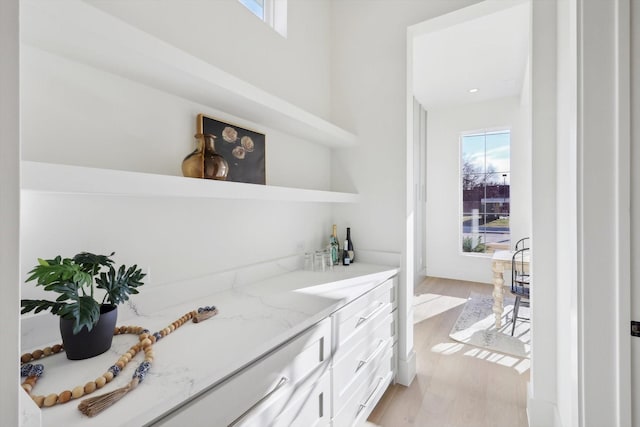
(58, 178)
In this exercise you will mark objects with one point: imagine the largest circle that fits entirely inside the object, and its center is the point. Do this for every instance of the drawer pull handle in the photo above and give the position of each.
(368, 401)
(281, 383)
(375, 352)
(363, 319)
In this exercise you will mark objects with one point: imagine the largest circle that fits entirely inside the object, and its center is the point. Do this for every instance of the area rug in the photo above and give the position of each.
(476, 326)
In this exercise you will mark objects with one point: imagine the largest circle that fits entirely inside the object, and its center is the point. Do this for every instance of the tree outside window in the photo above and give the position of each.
(485, 180)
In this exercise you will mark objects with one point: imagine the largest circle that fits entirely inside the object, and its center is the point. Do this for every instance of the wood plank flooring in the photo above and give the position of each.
(456, 385)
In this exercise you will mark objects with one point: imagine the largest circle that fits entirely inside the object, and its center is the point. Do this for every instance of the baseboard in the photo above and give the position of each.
(542, 413)
(406, 370)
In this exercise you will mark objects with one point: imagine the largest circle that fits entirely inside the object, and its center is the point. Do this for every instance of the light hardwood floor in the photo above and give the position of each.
(456, 385)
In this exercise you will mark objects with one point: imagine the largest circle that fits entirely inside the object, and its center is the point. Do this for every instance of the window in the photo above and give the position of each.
(273, 12)
(255, 6)
(485, 179)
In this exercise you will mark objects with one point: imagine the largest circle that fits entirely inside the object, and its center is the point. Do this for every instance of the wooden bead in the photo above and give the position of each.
(64, 397)
(77, 392)
(25, 358)
(145, 343)
(39, 400)
(27, 387)
(37, 354)
(100, 382)
(31, 380)
(108, 376)
(120, 364)
(48, 351)
(143, 336)
(153, 339)
(56, 348)
(50, 400)
(89, 387)
(172, 327)
(123, 329)
(116, 331)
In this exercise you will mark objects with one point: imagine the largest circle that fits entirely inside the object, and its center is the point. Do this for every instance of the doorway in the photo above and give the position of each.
(469, 74)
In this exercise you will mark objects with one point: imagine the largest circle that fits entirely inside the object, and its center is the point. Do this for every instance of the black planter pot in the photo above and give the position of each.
(87, 344)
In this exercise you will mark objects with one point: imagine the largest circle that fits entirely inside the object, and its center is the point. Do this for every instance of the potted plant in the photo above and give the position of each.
(87, 321)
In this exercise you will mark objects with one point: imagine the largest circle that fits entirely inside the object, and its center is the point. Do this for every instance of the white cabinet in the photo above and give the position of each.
(333, 374)
(361, 366)
(288, 387)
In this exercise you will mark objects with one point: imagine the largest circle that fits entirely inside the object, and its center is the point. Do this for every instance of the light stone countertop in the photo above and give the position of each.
(253, 319)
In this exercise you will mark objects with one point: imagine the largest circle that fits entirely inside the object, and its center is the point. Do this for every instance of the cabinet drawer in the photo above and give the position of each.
(268, 383)
(394, 292)
(307, 407)
(356, 315)
(394, 360)
(361, 360)
(394, 326)
(365, 397)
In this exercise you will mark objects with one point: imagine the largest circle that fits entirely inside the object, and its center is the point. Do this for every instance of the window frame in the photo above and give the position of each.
(462, 135)
(274, 14)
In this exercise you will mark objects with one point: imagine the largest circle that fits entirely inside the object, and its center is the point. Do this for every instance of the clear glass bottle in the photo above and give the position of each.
(334, 246)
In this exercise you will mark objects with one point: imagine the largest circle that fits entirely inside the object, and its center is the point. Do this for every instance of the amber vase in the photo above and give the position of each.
(204, 162)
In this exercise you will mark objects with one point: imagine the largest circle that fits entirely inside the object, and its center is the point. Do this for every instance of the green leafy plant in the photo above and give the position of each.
(467, 245)
(75, 280)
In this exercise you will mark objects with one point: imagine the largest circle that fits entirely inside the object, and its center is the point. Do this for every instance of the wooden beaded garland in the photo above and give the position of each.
(146, 340)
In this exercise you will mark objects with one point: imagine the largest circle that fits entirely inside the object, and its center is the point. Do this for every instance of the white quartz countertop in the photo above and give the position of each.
(253, 319)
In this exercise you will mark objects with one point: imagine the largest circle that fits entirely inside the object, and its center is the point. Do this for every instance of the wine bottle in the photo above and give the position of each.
(349, 246)
(334, 246)
(346, 260)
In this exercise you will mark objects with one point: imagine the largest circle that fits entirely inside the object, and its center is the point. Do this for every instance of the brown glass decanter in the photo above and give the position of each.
(204, 162)
(215, 166)
(193, 164)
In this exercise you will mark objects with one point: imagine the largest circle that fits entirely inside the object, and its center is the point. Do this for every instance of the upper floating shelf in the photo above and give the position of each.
(57, 178)
(83, 33)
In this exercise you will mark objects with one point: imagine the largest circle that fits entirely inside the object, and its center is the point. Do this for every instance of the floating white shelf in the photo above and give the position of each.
(57, 178)
(83, 33)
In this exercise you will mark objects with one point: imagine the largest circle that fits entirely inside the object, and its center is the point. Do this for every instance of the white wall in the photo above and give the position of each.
(75, 114)
(226, 34)
(9, 212)
(544, 358)
(444, 254)
(635, 204)
(369, 96)
(567, 339)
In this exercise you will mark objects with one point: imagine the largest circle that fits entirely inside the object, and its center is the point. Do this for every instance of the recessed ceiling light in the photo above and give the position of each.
(474, 90)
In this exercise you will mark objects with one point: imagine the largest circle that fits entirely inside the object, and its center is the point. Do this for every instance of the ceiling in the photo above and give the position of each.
(488, 53)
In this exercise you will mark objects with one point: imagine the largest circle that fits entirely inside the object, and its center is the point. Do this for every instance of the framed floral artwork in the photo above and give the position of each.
(243, 149)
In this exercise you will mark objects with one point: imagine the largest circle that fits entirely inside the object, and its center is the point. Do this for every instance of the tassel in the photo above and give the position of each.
(201, 317)
(94, 405)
